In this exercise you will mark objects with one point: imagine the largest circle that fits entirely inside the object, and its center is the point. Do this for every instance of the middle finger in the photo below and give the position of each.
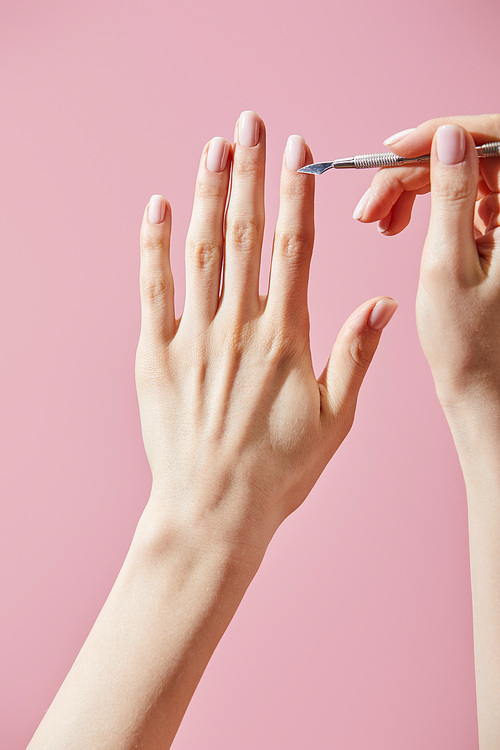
(245, 217)
(388, 185)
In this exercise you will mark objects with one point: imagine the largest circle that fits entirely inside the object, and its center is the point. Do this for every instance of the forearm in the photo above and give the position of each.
(476, 431)
(134, 677)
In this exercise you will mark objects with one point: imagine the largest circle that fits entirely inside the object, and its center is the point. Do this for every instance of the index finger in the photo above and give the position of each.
(389, 185)
(416, 141)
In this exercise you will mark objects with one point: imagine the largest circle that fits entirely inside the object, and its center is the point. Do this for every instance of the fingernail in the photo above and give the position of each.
(248, 129)
(295, 152)
(384, 223)
(358, 211)
(398, 136)
(156, 210)
(450, 144)
(217, 155)
(382, 313)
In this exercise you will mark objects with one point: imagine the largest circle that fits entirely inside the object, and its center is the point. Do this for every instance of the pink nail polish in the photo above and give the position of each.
(217, 155)
(398, 136)
(382, 313)
(295, 153)
(156, 209)
(248, 129)
(450, 143)
(359, 210)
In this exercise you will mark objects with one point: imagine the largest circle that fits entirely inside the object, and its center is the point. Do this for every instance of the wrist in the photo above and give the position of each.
(465, 390)
(474, 408)
(197, 541)
(474, 421)
(174, 597)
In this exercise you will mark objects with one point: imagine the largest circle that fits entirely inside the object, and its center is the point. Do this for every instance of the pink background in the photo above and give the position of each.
(357, 630)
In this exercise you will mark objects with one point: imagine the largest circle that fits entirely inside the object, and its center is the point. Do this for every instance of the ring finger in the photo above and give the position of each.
(204, 244)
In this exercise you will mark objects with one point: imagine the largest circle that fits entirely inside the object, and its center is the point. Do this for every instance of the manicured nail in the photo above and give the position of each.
(450, 144)
(382, 313)
(156, 210)
(398, 136)
(295, 152)
(384, 223)
(358, 211)
(217, 155)
(248, 129)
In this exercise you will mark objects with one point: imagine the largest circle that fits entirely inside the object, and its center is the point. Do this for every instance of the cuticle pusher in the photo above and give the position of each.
(387, 159)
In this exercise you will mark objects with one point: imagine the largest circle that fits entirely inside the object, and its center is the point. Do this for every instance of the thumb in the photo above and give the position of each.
(351, 356)
(454, 180)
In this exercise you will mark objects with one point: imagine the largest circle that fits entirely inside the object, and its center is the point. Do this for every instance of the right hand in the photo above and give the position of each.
(458, 301)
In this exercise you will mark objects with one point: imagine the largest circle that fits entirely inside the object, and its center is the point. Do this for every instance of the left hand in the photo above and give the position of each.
(458, 299)
(236, 426)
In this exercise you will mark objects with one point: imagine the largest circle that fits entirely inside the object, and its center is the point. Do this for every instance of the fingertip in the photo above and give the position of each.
(362, 205)
(381, 313)
(157, 209)
(309, 157)
(398, 137)
(217, 154)
(450, 144)
(385, 223)
(249, 129)
(295, 153)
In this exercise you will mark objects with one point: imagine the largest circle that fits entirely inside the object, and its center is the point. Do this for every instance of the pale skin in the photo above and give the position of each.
(458, 318)
(237, 429)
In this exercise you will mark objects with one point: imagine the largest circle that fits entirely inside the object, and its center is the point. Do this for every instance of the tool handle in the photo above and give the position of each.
(367, 161)
(488, 149)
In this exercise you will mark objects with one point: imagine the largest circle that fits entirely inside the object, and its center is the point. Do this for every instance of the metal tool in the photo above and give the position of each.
(388, 159)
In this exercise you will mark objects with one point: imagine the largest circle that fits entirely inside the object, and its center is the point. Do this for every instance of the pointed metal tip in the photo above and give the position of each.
(317, 168)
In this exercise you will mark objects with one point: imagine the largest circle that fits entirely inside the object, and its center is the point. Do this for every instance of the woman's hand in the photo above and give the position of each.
(236, 426)
(458, 317)
(237, 429)
(458, 301)
(391, 196)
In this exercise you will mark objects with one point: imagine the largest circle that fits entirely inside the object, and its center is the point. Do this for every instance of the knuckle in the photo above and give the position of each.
(204, 254)
(456, 191)
(244, 233)
(280, 345)
(236, 339)
(207, 189)
(293, 188)
(247, 165)
(152, 241)
(359, 354)
(294, 247)
(286, 336)
(434, 122)
(154, 288)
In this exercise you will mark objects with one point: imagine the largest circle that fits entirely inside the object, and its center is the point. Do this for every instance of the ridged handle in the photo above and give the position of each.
(489, 149)
(365, 161)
